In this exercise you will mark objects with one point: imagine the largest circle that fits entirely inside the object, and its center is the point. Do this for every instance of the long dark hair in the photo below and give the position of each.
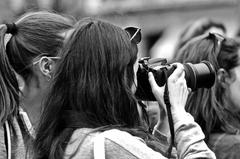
(37, 33)
(209, 107)
(9, 91)
(92, 87)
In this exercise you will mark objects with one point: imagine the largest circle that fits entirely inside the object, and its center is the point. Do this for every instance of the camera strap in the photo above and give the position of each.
(169, 113)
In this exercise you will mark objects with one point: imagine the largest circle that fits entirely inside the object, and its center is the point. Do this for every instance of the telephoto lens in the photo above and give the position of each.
(200, 75)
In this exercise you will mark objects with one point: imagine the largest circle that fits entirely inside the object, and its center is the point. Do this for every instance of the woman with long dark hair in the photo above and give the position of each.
(36, 38)
(217, 109)
(32, 43)
(91, 110)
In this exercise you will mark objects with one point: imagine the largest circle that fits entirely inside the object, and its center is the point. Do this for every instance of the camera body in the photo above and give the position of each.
(201, 75)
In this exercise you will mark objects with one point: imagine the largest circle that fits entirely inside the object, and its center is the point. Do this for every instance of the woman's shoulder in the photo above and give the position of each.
(88, 135)
(121, 138)
(112, 137)
(116, 142)
(80, 144)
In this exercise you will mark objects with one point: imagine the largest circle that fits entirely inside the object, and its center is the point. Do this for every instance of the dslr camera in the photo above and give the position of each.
(200, 75)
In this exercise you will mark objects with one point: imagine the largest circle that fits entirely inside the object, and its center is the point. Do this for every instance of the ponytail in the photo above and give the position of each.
(9, 90)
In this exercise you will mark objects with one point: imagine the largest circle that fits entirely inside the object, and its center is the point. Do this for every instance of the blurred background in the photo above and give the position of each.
(161, 21)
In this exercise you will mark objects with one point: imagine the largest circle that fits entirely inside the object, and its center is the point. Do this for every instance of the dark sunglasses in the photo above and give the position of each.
(134, 34)
(218, 39)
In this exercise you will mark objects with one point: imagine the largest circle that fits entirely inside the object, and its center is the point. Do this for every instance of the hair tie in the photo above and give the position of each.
(11, 28)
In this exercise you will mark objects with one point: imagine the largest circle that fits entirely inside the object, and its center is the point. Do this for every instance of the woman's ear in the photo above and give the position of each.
(223, 77)
(46, 66)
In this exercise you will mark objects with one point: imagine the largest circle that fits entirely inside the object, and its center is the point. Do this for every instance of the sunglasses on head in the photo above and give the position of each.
(134, 34)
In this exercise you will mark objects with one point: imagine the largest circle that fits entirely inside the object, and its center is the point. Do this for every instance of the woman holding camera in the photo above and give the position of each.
(91, 111)
(217, 109)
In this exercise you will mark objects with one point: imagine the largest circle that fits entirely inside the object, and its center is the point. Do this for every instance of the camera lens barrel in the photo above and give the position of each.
(201, 75)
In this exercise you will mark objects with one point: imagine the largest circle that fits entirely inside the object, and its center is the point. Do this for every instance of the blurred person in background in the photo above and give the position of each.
(91, 111)
(199, 27)
(217, 109)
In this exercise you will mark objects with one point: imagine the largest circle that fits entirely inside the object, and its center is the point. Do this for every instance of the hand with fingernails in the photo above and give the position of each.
(177, 87)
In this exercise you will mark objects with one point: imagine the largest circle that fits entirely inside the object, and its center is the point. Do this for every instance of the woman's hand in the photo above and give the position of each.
(177, 87)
